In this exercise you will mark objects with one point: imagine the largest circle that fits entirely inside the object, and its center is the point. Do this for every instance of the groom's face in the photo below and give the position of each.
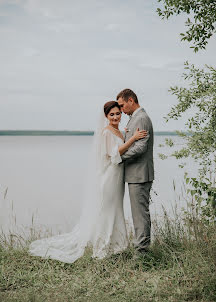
(125, 106)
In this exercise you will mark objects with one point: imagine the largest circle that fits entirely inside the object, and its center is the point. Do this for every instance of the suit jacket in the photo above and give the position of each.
(138, 159)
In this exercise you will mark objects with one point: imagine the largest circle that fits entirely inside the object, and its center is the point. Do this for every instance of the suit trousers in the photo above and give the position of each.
(139, 198)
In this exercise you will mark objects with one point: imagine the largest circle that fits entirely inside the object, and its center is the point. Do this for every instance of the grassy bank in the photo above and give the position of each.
(181, 266)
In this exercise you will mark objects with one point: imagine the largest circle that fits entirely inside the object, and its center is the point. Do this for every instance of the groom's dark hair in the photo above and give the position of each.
(126, 94)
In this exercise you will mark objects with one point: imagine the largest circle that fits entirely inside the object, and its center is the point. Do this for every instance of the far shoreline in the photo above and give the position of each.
(65, 133)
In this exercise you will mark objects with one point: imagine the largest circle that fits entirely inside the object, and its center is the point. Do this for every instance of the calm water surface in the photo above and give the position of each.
(45, 177)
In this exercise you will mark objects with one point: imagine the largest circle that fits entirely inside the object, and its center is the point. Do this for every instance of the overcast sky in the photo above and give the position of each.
(61, 60)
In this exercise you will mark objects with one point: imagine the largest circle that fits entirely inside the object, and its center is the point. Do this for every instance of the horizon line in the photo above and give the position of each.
(64, 132)
(75, 130)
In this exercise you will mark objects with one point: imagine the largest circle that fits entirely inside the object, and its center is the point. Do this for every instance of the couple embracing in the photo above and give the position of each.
(118, 157)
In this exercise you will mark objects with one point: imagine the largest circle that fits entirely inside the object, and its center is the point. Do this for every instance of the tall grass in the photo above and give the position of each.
(180, 266)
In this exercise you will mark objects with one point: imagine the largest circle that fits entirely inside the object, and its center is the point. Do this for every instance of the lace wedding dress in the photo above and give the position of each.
(102, 223)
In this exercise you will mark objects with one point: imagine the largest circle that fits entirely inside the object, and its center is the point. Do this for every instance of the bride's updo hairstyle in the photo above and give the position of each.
(110, 105)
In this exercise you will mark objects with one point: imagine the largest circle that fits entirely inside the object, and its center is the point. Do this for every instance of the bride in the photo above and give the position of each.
(102, 223)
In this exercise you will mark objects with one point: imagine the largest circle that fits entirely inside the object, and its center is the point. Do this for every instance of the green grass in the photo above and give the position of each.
(180, 266)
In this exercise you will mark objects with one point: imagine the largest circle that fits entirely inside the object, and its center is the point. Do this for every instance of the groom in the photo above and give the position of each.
(139, 167)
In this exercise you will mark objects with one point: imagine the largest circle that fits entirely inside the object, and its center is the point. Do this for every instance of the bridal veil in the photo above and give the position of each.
(71, 246)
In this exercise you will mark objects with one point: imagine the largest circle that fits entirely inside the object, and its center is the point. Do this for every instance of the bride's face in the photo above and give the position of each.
(114, 116)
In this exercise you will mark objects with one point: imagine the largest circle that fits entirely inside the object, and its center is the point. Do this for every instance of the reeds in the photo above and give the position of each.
(180, 266)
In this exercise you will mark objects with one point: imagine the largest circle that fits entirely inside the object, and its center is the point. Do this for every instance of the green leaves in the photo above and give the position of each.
(199, 99)
(203, 191)
(200, 26)
(200, 96)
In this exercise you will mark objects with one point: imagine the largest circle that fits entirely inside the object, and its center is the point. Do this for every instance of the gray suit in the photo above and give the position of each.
(139, 174)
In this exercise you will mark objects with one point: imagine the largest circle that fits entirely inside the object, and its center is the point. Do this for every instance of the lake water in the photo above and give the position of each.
(45, 180)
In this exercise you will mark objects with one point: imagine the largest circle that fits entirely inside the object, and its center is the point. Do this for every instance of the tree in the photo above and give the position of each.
(199, 94)
(201, 24)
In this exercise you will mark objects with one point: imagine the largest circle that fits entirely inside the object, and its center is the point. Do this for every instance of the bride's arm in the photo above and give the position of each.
(137, 135)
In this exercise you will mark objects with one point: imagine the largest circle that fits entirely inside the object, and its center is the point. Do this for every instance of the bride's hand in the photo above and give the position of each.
(140, 134)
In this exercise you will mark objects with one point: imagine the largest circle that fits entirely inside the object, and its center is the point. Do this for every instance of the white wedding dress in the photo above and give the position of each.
(102, 223)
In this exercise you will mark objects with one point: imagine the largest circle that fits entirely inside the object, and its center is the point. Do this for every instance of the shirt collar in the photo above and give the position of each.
(136, 111)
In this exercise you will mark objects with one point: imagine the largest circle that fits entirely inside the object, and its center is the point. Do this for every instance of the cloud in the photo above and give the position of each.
(119, 55)
(30, 52)
(112, 27)
(64, 27)
(163, 64)
(47, 9)
(74, 55)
